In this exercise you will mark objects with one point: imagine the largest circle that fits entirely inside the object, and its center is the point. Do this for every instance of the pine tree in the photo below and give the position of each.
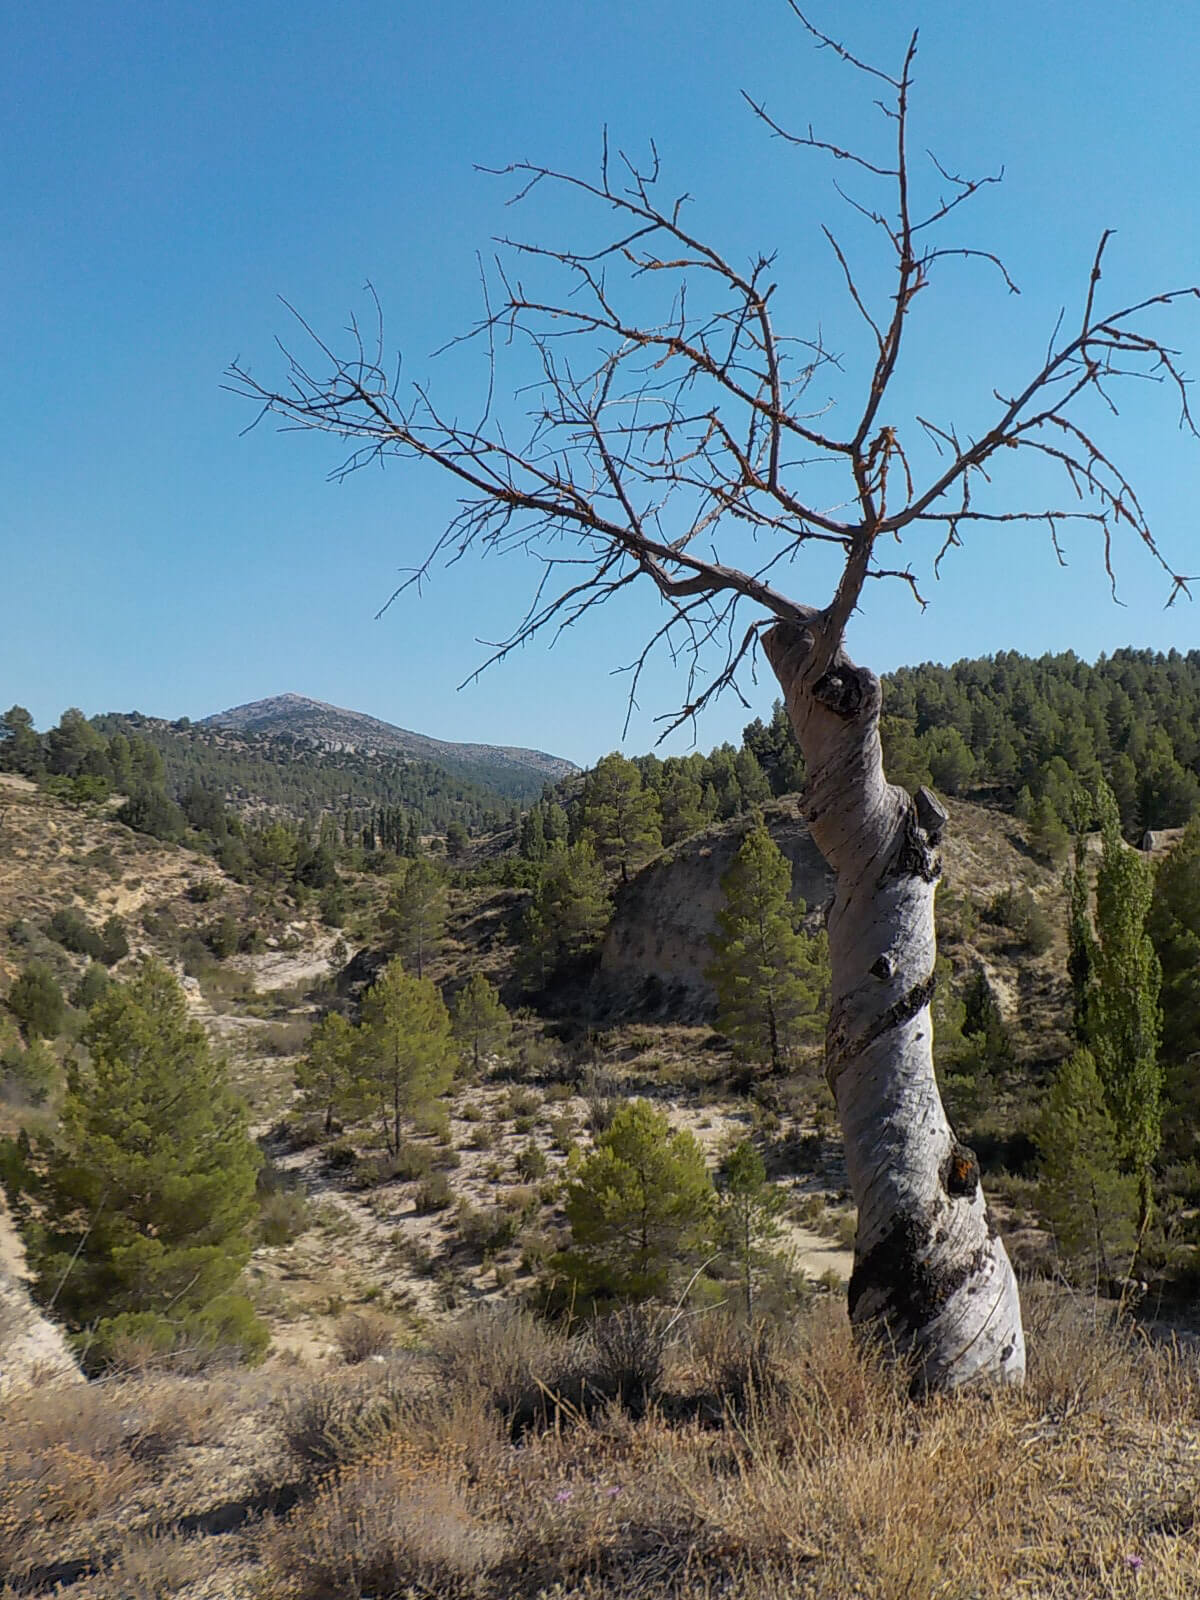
(415, 919)
(1088, 1201)
(325, 1075)
(406, 1056)
(749, 1213)
(640, 1207)
(482, 1025)
(619, 815)
(568, 914)
(770, 977)
(682, 801)
(137, 1213)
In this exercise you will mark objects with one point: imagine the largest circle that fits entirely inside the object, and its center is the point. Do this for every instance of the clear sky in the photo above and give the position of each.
(167, 171)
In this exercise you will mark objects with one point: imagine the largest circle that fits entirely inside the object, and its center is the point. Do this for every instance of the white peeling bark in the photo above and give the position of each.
(930, 1273)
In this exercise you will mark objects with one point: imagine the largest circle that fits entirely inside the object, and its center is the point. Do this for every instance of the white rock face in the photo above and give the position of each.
(33, 1350)
(663, 917)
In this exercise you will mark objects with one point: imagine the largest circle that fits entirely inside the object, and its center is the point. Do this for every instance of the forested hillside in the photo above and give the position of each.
(1032, 729)
(290, 773)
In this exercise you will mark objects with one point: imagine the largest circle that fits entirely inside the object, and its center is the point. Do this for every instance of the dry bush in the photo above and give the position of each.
(65, 1459)
(387, 1528)
(508, 1356)
(736, 1365)
(627, 1355)
(332, 1421)
(362, 1334)
(150, 1567)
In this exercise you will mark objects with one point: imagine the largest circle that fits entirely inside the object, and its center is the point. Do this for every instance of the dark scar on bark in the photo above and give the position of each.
(842, 1049)
(839, 690)
(904, 1010)
(899, 1272)
(914, 858)
(960, 1171)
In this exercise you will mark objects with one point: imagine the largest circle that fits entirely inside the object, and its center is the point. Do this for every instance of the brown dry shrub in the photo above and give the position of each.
(65, 1458)
(360, 1335)
(340, 1421)
(151, 1567)
(508, 1356)
(385, 1528)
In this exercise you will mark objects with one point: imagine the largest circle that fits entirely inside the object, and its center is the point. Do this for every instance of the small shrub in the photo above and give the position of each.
(532, 1163)
(485, 1229)
(90, 987)
(360, 1336)
(522, 1102)
(341, 1156)
(71, 929)
(36, 1001)
(283, 1216)
(434, 1194)
(562, 1132)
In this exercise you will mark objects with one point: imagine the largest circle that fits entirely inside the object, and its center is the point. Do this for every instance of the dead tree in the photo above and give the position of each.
(673, 435)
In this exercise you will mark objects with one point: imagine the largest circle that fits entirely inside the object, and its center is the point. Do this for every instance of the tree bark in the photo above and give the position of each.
(931, 1276)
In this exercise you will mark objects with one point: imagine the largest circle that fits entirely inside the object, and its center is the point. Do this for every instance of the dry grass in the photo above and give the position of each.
(790, 1465)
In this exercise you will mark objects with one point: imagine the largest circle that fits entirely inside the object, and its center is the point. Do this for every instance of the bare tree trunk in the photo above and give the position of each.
(930, 1274)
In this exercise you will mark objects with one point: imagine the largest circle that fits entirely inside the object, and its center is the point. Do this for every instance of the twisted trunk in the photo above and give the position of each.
(930, 1273)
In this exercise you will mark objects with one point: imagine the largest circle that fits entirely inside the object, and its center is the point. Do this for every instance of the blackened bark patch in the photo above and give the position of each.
(904, 1010)
(882, 968)
(906, 1279)
(840, 690)
(914, 858)
(960, 1171)
(841, 1047)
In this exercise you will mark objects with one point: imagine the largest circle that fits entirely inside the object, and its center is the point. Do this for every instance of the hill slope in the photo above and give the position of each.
(294, 715)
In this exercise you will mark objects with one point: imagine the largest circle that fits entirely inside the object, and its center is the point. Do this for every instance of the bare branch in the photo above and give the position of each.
(671, 435)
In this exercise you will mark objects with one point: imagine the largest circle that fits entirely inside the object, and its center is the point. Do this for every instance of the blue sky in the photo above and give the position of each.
(168, 171)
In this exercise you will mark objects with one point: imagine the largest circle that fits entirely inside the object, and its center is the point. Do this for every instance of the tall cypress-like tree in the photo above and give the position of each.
(748, 1215)
(1122, 1022)
(137, 1213)
(1174, 927)
(770, 977)
(1088, 1201)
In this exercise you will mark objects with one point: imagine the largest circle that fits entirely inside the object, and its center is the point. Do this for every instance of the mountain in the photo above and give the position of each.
(333, 728)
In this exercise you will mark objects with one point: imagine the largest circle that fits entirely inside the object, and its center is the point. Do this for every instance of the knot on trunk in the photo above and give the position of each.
(916, 857)
(840, 690)
(960, 1171)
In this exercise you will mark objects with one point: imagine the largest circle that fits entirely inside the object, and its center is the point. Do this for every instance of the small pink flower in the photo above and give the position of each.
(616, 1489)
(563, 1496)
(1134, 1562)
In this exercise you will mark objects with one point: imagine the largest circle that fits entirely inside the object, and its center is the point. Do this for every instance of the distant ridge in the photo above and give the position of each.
(334, 728)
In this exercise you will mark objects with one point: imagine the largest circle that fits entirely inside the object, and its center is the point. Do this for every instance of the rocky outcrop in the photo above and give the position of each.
(33, 1350)
(655, 954)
